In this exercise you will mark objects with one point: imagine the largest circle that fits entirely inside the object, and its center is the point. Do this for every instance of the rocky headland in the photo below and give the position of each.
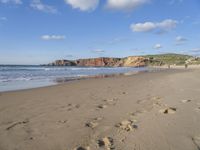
(130, 61)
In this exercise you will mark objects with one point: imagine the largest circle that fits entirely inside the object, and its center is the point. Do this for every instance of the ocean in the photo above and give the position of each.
(17, 77)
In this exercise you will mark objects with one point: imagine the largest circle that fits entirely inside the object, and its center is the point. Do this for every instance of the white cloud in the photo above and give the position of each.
(157, 46)
(126, 5)
(11, 1)
(143, 27)
(164, 25)
(98, 51)
(83, 5)
(180, 40)
(37, 4)
(53, 37)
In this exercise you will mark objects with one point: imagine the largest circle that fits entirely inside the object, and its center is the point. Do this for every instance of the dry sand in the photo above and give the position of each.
(146, 111)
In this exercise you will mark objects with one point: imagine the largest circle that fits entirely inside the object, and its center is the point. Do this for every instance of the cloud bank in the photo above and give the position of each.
(11, 1)
(38, 5)
(83, 5)
(53, 37)
(125, 5)
(164, 25)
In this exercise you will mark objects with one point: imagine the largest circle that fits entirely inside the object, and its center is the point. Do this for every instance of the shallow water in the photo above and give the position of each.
(25, 77)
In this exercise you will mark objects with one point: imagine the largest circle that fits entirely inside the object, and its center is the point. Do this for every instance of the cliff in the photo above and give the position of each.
(62, 63)
(97, 62)
(132, 61)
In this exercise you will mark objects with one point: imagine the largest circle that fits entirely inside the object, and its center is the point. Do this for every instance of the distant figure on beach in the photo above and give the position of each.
(168, 66)
(186, 66)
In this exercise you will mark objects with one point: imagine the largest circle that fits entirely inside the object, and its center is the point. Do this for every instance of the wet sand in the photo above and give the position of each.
(145, 111)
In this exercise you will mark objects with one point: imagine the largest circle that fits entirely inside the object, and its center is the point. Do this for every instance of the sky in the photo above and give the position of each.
(41, 31)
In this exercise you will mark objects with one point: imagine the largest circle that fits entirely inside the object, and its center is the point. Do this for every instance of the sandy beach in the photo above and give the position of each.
(146, 111)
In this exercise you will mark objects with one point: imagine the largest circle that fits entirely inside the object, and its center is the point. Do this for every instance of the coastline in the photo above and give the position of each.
(35, 77)
(67, 80)
(125, 111)
(26, 77)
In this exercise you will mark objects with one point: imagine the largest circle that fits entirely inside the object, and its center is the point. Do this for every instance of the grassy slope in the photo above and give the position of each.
(171, 59)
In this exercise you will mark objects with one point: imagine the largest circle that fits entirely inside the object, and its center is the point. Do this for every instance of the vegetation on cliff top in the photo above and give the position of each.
(171, 59)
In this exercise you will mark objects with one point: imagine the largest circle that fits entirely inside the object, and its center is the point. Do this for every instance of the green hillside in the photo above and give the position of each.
(171, 59)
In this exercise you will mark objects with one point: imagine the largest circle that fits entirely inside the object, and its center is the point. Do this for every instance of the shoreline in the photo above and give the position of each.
(63, 80)
(12, 79)
(32, 84)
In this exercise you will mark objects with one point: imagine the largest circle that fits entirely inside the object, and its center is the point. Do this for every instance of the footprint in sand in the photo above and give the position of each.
(137, 112)
(62, 121)
(157, 101)
(140, 101)
(124, 93)
(111, 101)
(196, 141)
(157, 104)
(198, 109)
(82, 148)
(70, 107)
(156, 98)
(107, 102)
(93, 123)
(186, 101)
(106, 142)
(127, 125)
(17, 123)
(102, 106)
(170, 110)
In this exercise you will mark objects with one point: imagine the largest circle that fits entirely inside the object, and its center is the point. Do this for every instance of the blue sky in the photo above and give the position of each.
(40, 31)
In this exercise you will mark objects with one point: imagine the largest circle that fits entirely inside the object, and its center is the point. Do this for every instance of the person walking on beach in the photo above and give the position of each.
(186, 66)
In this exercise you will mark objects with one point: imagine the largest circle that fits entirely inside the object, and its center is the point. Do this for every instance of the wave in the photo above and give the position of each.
(12, 74)
(48, 68)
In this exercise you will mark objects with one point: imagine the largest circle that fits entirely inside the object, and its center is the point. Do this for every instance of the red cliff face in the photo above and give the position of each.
(97, 62)
(131, 61)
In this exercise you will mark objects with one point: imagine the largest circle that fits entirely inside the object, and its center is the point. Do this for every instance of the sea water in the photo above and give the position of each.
(15, 77)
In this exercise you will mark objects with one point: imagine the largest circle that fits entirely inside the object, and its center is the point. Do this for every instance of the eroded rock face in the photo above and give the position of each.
(63, 63)
(131, 61)
(97, 62)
